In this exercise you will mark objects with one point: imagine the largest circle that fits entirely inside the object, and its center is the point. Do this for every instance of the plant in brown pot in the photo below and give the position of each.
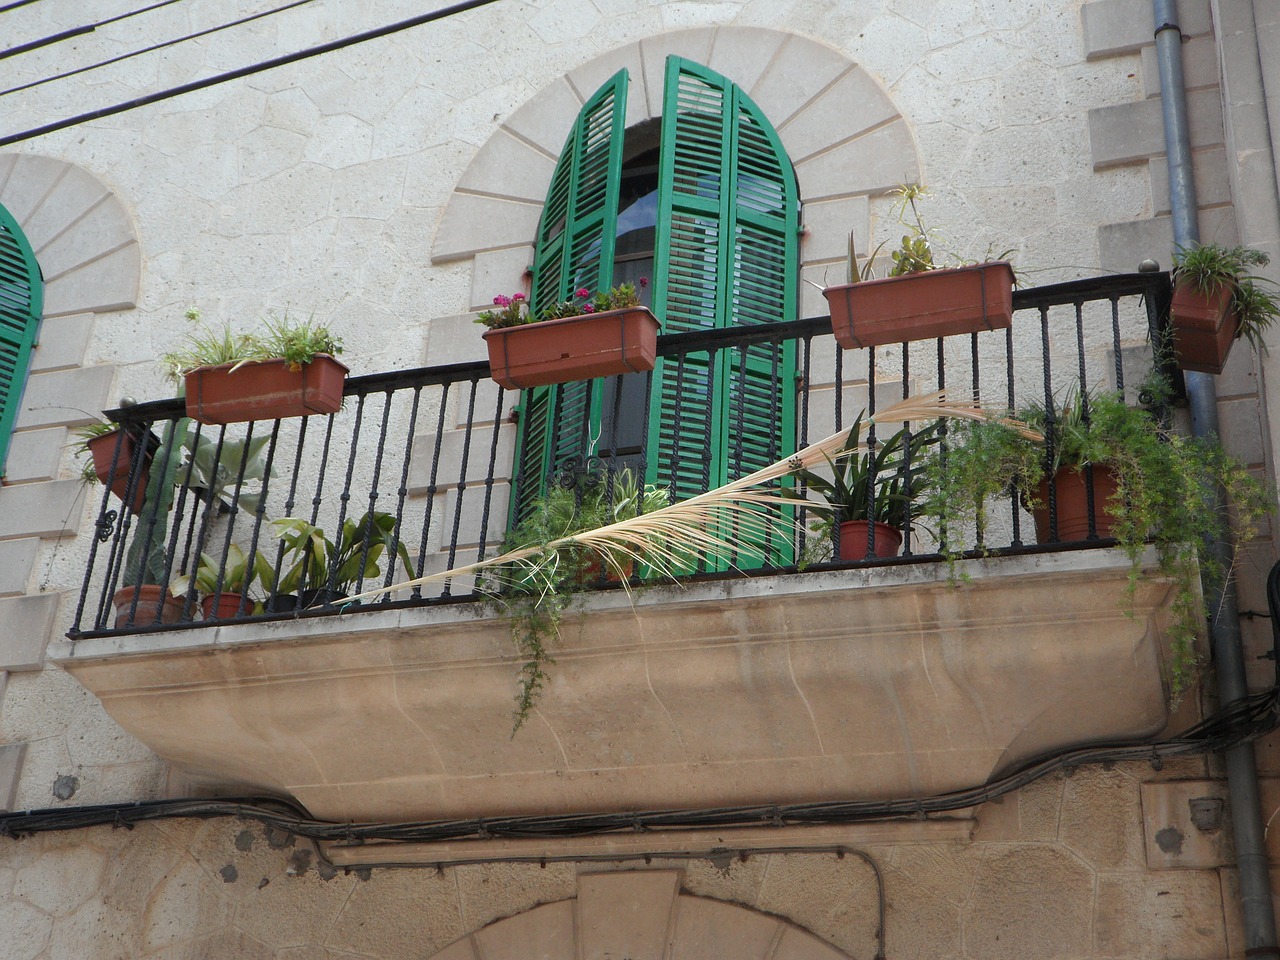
(919, 299)
(1217, 300)
(870, 493)
(583, 337)
(291, 371)
(1150, 487)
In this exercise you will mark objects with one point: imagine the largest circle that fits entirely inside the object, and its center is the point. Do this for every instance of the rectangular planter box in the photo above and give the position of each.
(922, 306)
(1204, 328)
(575, 348)
(267, 390)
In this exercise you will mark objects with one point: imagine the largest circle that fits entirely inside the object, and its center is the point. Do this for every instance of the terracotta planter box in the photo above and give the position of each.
(103, 451)
(922, 306)
(1073, 505)
(267, 390)
(853, 540)
(1204, 328)
(152, 598)
(575, 348)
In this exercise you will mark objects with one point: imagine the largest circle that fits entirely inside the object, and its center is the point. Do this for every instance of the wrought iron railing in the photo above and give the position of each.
(416, 472)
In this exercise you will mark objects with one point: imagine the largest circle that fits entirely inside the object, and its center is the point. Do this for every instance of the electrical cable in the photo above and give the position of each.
(236, 74)
(79, 31)
(1242, 720)
(14, 6)
(152, 48)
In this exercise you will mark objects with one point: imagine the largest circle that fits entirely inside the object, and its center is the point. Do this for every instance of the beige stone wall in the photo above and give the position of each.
(323, 187)
(1058, 869)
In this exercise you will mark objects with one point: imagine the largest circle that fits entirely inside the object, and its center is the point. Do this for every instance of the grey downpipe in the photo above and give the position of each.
(1224, 619)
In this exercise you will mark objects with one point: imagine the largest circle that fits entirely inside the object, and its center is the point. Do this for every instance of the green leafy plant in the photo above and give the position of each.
(216, 469)
(855, 472)
(90, 431)
(147, 559)
(312, 561)
(514, 311)
(1166, 492)
(297, 343)
(537, 591)
(1208, 268)
(211, 576)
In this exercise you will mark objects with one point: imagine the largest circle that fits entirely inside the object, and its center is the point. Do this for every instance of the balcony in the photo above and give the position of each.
(778, 682)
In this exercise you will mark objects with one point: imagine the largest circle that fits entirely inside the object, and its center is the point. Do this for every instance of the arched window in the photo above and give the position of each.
(709, 212)
(21, 303)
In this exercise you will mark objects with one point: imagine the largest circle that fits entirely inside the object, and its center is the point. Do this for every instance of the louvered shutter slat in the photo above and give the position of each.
(21, 302)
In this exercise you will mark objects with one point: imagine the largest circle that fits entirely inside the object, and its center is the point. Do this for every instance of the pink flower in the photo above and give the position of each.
(588, 308)
(644, 281)
(502, 301)
(518, 297)
(584, 292)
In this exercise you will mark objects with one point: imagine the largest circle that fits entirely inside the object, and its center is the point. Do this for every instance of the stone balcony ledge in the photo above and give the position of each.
(883, 682)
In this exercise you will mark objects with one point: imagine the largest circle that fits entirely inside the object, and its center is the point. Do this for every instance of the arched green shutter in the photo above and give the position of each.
(575, 245)
(21, 303)
(726, 256)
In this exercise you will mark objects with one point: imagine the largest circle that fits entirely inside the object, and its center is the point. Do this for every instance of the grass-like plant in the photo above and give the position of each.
(1166, 493)
(296, 343)
(1208, 268)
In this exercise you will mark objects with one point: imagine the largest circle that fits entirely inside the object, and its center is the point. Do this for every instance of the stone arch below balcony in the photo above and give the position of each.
(845, 136)
(640, 913)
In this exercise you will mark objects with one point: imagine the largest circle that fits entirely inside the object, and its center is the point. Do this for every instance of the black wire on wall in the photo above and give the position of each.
(236, 74)
(153, 47)
(78, 31)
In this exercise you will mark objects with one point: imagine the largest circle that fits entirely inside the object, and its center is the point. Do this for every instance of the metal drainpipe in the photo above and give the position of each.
(1228, 652)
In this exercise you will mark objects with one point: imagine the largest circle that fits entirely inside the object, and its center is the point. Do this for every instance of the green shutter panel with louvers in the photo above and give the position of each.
(726, 256)
(575, 244)
(21, 303)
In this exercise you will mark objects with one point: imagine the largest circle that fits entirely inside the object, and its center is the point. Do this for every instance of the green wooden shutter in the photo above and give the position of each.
(726, 256)
(21, 303)
(575, 244)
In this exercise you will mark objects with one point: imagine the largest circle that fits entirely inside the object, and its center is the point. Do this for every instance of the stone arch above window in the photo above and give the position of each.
(632, 914)
(80, 232)
(846, 138)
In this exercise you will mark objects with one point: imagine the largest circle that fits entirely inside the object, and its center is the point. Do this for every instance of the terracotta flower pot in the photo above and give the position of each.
(922, 306)
(103, 451)
(267, 390)
(853, 540)
(575, 348)
(152, 599)
(224, 606)
(1204, 328)
(1073, 505)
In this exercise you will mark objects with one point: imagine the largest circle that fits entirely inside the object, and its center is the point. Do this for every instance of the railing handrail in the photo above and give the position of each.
(675, 344)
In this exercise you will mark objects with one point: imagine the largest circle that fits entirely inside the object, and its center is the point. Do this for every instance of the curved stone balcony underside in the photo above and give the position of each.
(879, 683)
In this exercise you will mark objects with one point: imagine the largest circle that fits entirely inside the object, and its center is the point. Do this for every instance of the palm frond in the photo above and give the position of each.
(734, 520)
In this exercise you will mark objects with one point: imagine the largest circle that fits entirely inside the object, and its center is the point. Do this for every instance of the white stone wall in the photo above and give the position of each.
(325, 187)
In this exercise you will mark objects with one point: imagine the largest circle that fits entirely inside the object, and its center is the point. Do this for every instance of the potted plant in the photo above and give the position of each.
(316, 571)
(224, 588)
(142, 600)
(576, 339)
(870, 494)
(1216, 301)
(118, 468)
(1151, 486)
(292, 371)
(918, 300)
(537, 591)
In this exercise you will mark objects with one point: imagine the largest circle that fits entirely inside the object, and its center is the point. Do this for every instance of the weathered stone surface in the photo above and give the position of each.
(1177, 826)
(1100, 818)
(40, 509)
(28, 622)
(11, 756)
(63, 341)
(71, 397)
(34, 455)
(1029, 901)
(1140, 915)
